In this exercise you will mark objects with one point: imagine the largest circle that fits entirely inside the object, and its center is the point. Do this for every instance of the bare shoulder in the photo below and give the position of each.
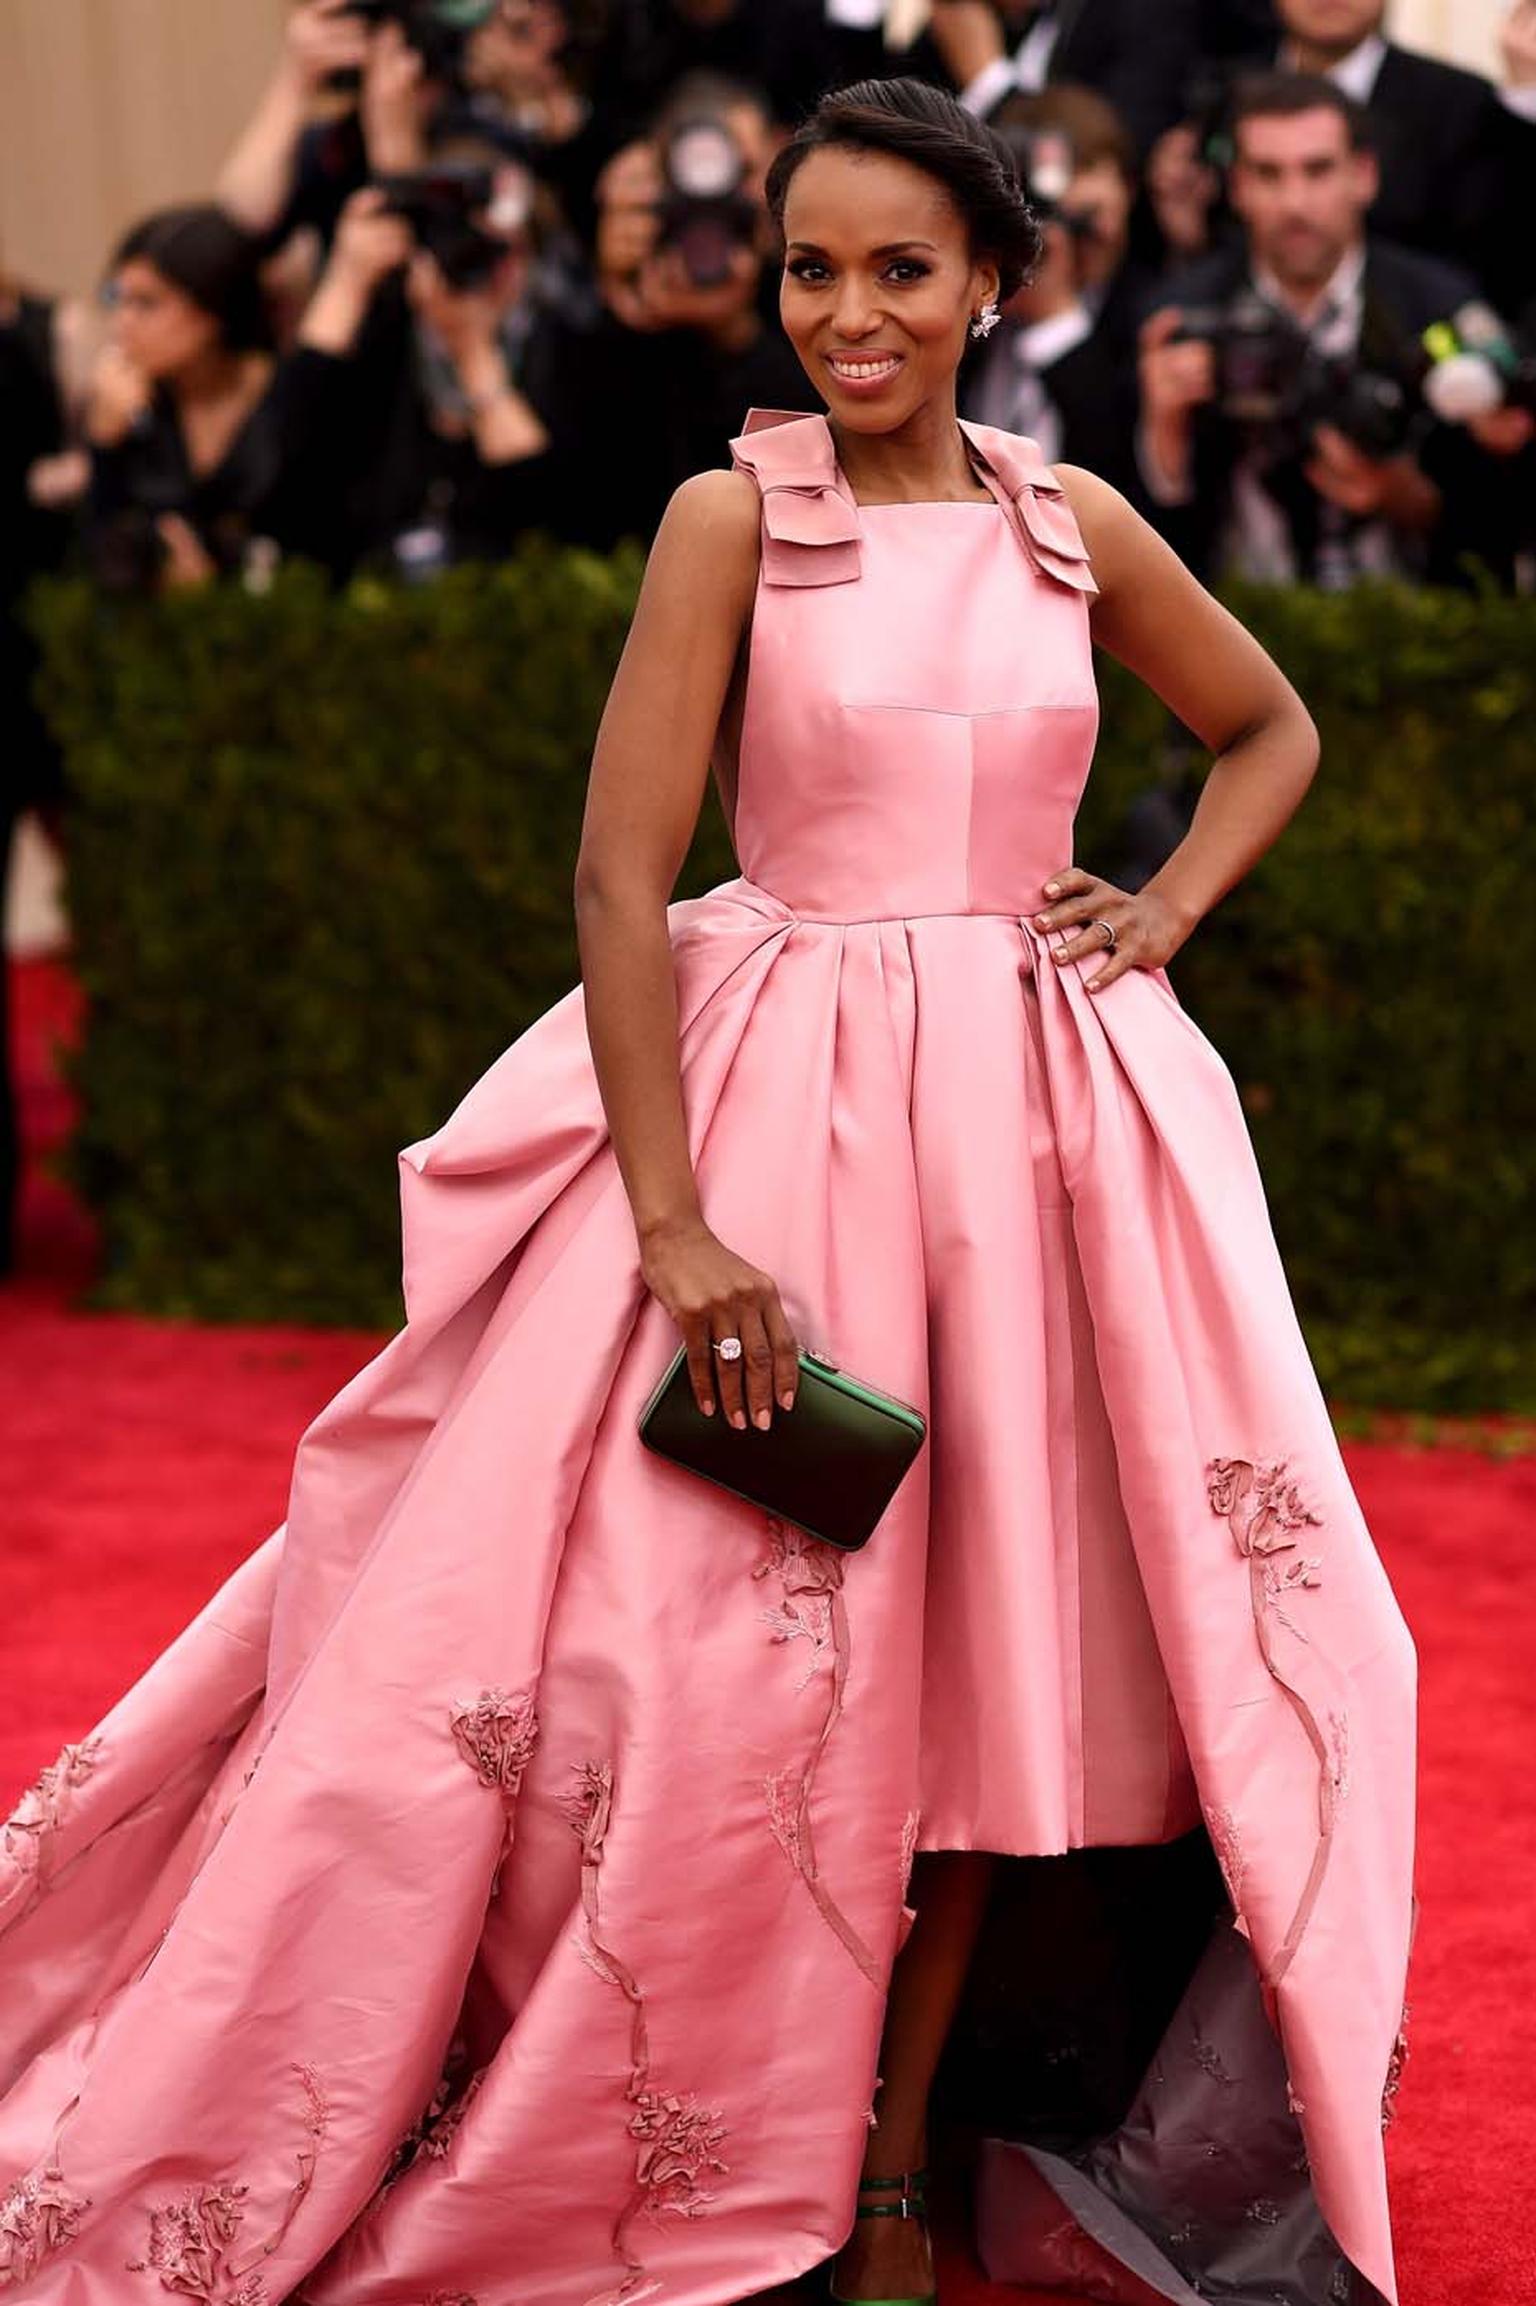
(1113, 530)
(703, 561)
(716, 513)
(1158, 619)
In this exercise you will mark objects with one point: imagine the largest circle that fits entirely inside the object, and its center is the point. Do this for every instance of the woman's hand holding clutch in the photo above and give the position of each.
(716, 1297)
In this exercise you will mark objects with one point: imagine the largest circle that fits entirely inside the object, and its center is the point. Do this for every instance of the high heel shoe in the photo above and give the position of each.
(912, 2203)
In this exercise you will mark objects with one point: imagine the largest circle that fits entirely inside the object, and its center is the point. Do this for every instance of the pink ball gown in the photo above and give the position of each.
(492, 1895)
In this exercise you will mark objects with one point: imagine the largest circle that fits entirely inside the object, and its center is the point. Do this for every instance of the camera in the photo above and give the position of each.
(1207, 108)
(1047, 161)
(1274, 382)
(1477, 366)
(438, 30)
(704, 212)
(463, 213)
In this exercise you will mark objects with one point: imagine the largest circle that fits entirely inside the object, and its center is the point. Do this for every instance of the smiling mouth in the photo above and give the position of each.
(862, 367)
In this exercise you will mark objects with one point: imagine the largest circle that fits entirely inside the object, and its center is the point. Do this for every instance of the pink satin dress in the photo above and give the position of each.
(492, 1895)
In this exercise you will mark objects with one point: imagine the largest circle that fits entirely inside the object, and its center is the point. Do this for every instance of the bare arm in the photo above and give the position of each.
(1160, 622)
(255, 180)
(647, 781)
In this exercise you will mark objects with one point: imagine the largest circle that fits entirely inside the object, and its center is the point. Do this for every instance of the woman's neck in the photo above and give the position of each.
(213, 376)
(923, 461)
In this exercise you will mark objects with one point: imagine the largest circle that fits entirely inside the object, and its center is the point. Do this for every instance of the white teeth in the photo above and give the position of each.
(861, 367)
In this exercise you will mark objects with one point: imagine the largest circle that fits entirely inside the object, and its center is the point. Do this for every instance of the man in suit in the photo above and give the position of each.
(1269, 465)
(1062, 366)
(787, 48)
(1138, 57)
(1457, 160)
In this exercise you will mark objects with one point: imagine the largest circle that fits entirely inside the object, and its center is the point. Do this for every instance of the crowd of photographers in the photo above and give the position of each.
(476, 267)
(480, 266)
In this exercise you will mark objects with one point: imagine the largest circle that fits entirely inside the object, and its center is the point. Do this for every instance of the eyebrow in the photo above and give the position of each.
(889, 248)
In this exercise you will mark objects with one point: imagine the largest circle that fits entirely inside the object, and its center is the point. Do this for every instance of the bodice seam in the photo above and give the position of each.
(966, 713)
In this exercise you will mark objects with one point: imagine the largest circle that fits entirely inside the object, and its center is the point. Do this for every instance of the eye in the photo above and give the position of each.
(904, 270)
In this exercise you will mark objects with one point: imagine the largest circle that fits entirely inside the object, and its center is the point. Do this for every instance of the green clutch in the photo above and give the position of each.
(831, 1465)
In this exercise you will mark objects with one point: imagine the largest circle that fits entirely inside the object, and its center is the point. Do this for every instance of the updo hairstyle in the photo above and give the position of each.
(916, 122)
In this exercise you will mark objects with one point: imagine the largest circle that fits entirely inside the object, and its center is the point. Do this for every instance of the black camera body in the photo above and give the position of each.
(704, 213)
(441, 204)
(1046, 160)
(1275, 384)
(438, 30)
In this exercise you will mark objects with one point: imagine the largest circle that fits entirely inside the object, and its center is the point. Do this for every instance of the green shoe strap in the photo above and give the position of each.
(928, 2298)
(906, 2178)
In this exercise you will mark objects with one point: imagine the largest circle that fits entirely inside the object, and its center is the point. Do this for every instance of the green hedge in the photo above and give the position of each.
(320, 864)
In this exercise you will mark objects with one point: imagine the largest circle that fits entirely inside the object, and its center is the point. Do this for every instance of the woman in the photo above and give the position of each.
(187, 414)
(499, 1892)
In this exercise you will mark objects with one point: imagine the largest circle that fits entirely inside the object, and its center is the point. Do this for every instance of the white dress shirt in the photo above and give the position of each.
(1027, 68)
(1010, 389)
(1256, 541)
(1356, 73)
(901, 20)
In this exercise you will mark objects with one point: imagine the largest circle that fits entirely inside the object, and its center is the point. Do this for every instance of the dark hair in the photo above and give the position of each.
(203, 252)
(1089, 121)
(1286, 95)
(708, 92)
(912, 121)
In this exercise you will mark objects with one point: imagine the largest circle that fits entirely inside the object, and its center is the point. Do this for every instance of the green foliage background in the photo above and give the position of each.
(319, 870)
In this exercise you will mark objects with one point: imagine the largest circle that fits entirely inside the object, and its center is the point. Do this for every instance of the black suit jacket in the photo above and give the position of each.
(1092, 389)
(1404, 293)
(1458, 171)
(1139, 54)
(784, 47)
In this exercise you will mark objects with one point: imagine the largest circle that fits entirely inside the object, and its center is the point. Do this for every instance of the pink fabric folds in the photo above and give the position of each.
(810, 524)
(493, 1893)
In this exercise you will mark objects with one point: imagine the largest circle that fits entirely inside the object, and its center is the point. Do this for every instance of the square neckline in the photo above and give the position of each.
(991, 502)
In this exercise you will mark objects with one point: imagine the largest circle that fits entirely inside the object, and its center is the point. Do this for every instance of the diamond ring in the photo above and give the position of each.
(728, 1348)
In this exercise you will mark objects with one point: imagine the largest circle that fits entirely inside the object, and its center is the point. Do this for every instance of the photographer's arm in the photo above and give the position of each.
(1177, 377)
(1157, 620)
(649, 767)
(467, 322)
(371, 242)
(508, 428)
(394, 102)
(1395, 489)
(257, 178)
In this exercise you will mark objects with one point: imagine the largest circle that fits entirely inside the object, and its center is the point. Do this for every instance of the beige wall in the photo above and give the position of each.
(109, 107)
(1465, 31)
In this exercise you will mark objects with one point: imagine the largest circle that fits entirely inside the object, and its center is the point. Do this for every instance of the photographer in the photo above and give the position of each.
(355, 90)
(188, 408)
(529, 65)
(1457, 162)
(688, 272)
(783, 47)
(1061, 366)
(1487, 379)
(1284, 431)
(432, 370)
(1137, 58)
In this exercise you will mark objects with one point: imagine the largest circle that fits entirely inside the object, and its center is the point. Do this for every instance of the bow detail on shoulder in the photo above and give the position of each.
(1045, 520)
(810, 522)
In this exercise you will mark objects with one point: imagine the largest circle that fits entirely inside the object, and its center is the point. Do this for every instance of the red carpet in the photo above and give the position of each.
(144, 1459)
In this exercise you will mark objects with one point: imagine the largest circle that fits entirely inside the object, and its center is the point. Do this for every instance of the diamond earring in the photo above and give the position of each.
(986, 320)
